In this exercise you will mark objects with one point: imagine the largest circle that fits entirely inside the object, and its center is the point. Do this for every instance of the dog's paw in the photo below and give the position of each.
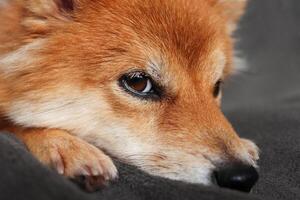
(74, 158)
(83, 163)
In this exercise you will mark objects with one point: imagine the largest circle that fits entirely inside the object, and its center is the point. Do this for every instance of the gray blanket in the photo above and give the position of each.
(263, 103)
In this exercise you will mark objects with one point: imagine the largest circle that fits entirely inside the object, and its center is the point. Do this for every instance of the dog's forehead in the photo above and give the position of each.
(165, 36)
(178, 75)
(178, 29)
(181, 36)
(183, 27)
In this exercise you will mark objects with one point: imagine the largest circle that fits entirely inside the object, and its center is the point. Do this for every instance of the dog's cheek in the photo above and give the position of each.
(65, 108)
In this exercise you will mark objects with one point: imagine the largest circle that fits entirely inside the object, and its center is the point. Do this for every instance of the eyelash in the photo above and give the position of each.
(127, 83)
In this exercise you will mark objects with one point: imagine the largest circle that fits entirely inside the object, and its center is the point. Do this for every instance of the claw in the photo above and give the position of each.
(57, 162)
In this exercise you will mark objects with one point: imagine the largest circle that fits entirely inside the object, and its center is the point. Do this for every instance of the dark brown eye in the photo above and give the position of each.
(217, 88)
(139, 84)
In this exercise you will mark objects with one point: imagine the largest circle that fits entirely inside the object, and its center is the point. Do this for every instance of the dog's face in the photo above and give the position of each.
(139, 78)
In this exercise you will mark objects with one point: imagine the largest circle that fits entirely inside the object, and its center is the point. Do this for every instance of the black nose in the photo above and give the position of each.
(237, 177)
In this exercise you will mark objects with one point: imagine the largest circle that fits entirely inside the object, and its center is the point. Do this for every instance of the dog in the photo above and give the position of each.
(138, 80)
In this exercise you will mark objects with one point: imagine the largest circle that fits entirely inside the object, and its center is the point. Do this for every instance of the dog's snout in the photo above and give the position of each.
(237, 177)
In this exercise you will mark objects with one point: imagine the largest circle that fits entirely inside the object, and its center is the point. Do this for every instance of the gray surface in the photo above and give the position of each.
(269, 38)
(23, 178)
(263, 104)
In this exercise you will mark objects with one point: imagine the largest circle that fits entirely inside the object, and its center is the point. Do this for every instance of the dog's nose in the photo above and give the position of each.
(237, 177)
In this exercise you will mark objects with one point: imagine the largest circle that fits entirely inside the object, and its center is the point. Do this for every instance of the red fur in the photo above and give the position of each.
(87, 45)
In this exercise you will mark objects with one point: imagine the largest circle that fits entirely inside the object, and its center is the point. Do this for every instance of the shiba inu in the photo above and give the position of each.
(137, 79)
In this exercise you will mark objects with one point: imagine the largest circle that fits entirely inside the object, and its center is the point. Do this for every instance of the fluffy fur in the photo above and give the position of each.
(60, 61)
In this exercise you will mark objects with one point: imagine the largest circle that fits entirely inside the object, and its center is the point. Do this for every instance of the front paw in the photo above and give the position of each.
(74, 158)
(83, 163)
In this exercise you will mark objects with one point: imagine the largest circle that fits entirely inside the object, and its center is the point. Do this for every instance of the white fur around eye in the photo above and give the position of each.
(148, 87)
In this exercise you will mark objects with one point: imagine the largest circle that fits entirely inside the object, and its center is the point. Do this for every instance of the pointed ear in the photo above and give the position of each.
(232, 10)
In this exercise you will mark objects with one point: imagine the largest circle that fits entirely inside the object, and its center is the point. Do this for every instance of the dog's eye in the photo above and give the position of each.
(139, 84)
(217, 88)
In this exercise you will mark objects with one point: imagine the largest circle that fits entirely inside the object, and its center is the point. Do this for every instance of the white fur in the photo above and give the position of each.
(128, 147)
(154, 68)
(218, 64)
(20, 58)
(69, 110)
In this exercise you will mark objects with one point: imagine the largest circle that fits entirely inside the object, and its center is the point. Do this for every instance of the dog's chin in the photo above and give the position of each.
(179, 166)
(194, 176)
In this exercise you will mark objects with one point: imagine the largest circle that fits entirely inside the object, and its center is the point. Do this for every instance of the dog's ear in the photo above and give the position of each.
(51, 8)
(41, 15)
(232, 10)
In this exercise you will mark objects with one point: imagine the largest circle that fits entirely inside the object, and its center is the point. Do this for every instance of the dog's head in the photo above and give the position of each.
(139, 78)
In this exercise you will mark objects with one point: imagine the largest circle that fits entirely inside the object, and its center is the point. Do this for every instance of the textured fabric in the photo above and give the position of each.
(263, 103)
(24, 178)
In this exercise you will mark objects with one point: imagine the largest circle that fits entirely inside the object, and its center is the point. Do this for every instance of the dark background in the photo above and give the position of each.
(262, 102)
(269, 40)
